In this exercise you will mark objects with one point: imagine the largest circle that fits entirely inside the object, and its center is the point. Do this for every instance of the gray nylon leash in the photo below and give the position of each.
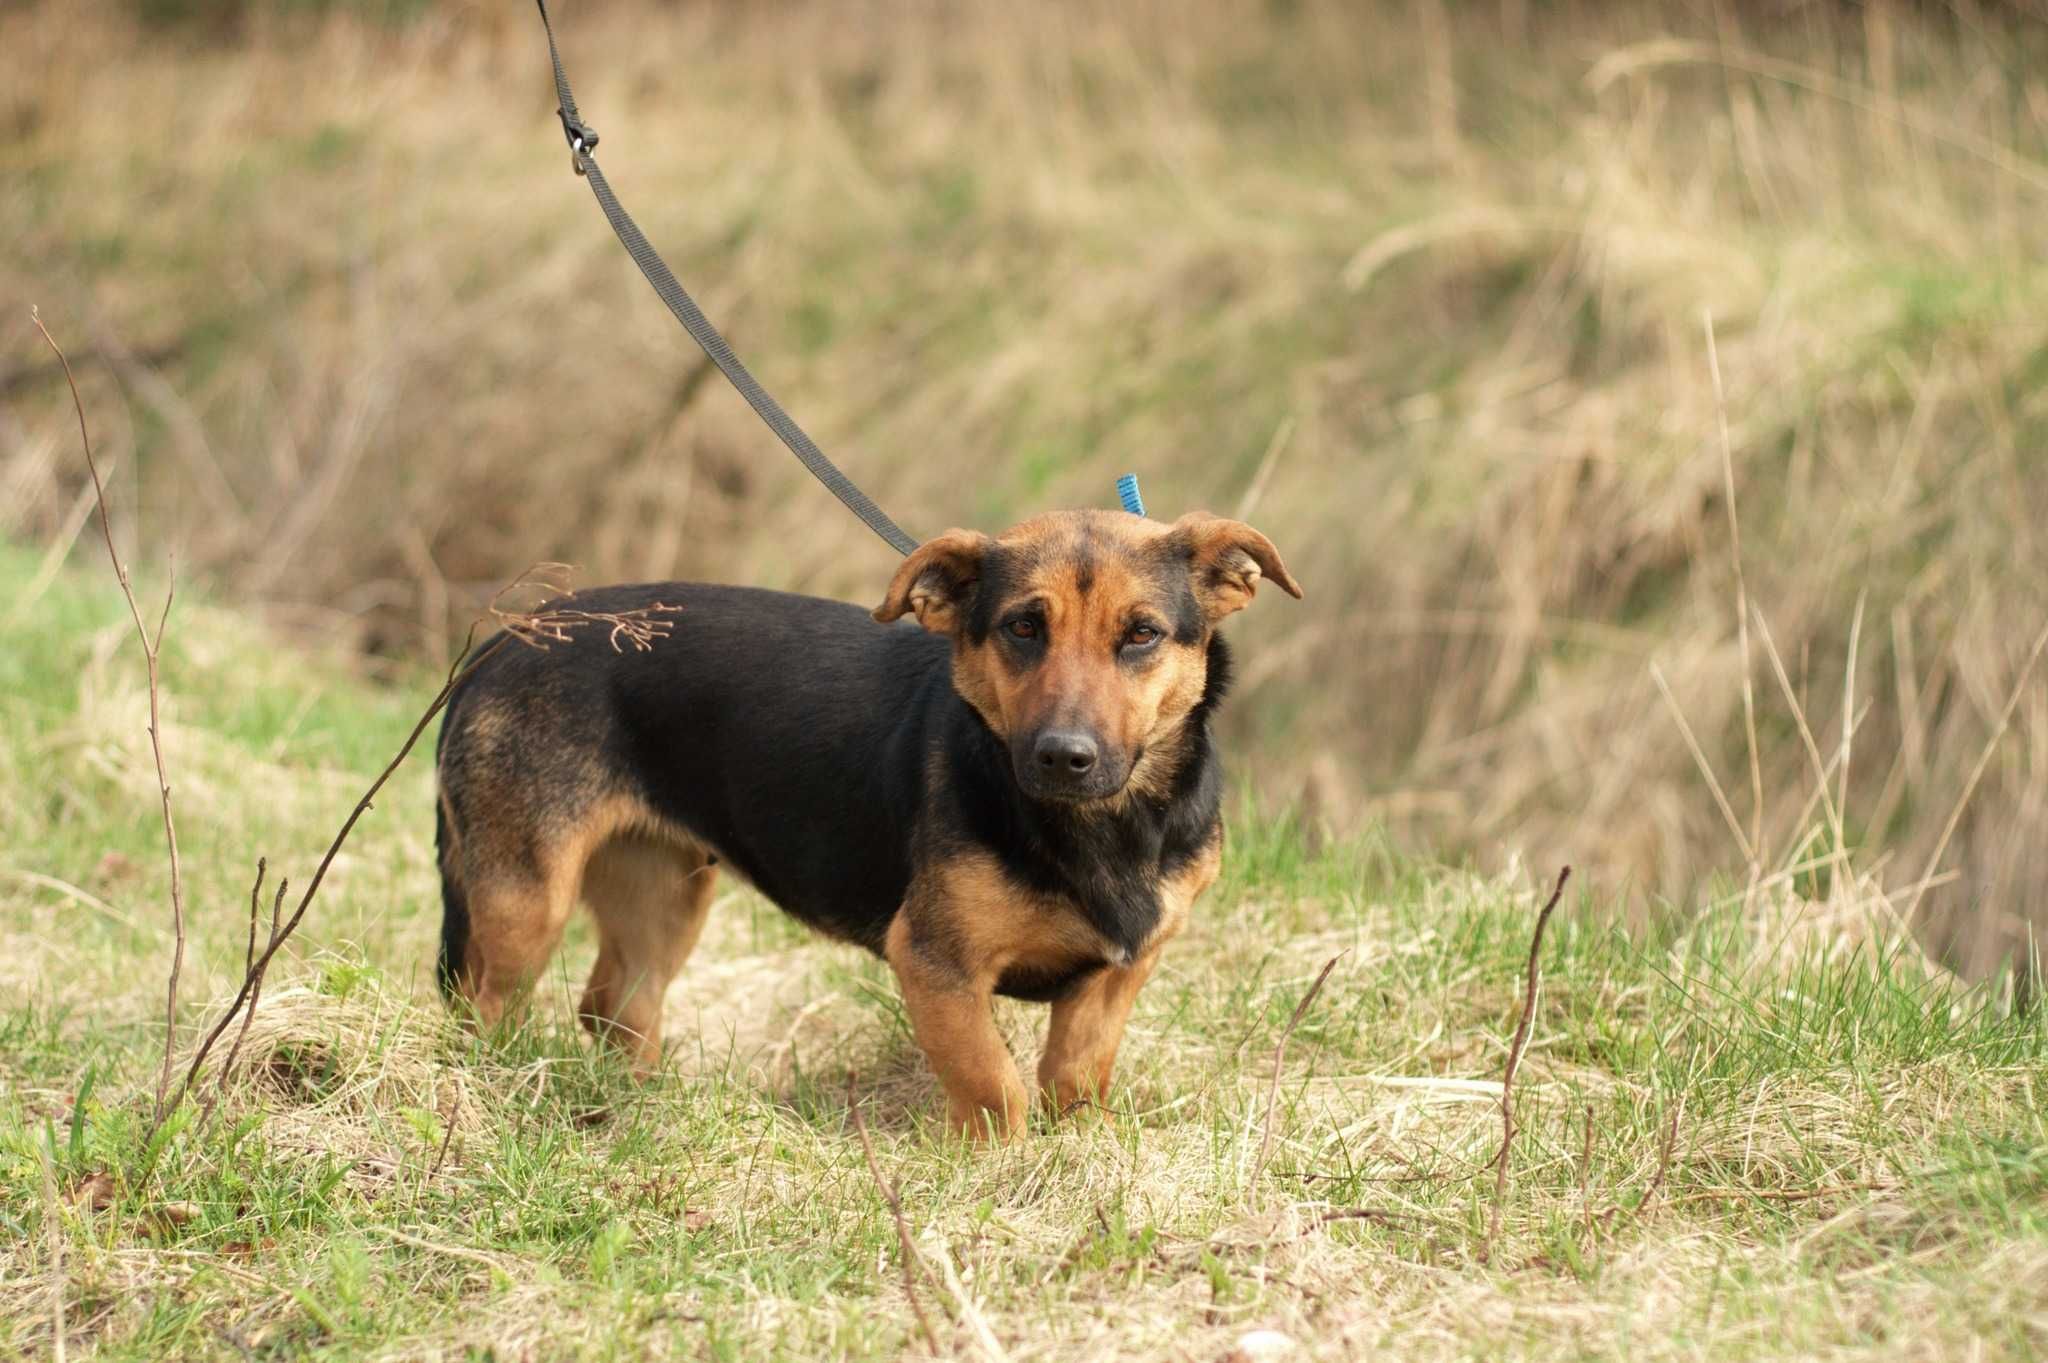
(582, 143)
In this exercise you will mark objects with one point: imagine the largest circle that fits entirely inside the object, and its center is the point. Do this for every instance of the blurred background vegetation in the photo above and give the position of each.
(1422, 288)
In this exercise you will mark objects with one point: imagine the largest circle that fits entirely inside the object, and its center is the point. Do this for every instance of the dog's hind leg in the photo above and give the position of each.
(515, 922)
(651, 897)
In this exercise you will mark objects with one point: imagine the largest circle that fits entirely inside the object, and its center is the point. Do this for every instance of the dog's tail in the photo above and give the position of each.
(454, 904)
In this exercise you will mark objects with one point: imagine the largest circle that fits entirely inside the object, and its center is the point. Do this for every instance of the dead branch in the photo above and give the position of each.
(1279, 1057)
(150, 647)
(220, 1083)
(538, 628)
(252, 979)
(636, 627)
(555, 623)
(910, 1256)
(1507, 1083)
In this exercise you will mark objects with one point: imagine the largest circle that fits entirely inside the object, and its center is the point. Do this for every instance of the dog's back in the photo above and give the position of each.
(781, 734)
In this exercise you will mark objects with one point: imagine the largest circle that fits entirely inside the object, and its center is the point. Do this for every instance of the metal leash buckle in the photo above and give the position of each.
(582, 139)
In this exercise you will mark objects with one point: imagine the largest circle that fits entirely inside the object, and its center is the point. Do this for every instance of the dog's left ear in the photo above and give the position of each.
(936, 581)
(1227, 558)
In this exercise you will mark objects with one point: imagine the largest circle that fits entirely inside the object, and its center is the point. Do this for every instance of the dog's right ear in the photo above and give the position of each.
(936, 581)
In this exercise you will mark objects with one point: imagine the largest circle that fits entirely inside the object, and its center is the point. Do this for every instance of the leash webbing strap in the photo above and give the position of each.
(582, 142)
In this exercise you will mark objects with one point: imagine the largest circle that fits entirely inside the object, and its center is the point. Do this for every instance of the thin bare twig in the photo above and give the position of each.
(252, 980)
(1663, 1161)
(1520, 1043)
(150, 647)
(1373, 1214)
(1279, 1058)
(553, 623)
(1608, 1217)
(539, 628)
(449, 1112)
(53, 1214)
(248, 964)
(255, 911)
(227, 1067)
(909, 1249)
(1586, 1171)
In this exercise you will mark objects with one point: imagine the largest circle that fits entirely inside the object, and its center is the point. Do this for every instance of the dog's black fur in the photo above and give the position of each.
(811, 749)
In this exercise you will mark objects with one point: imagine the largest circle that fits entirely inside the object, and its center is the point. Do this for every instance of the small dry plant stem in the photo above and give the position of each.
(151, 644)
(1279, 1059)
(1614, 1212)
(641, 628)
(53, 1215)
(554, 622)
(1756, 777)
(248, 967)
(549, 624)
(252, 978)
(1586, 1172)
(895, 1205)
(1515, 1049)
(450, 1110)
(1663, 1160)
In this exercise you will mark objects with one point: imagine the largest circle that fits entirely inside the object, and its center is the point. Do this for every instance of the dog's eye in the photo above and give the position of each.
(1141, 636)
(1023, 627)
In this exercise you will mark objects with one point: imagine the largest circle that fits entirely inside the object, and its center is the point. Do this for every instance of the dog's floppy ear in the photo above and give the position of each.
(1226, 559)
(936, 580)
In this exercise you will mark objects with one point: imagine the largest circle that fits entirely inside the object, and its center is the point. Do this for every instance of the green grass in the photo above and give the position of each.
(1860, 1166)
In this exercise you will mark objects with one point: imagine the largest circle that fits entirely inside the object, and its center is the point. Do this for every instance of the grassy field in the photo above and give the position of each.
(1765, 1128)
(1424, 285)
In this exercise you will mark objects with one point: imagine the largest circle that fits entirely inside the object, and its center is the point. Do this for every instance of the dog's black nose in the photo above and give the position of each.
(1065, 753)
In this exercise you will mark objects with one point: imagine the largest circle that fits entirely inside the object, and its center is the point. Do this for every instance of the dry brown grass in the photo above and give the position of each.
(371, 351)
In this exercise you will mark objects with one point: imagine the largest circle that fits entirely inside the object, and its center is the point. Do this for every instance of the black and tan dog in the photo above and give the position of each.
(1020, 798)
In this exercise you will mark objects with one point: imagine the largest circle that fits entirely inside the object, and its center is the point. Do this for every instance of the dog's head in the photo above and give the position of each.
(1082, 637)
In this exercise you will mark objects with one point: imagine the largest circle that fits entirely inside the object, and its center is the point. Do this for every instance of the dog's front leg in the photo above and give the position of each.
(1086, 1028)
(950, 1014)
(1088, 1025)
